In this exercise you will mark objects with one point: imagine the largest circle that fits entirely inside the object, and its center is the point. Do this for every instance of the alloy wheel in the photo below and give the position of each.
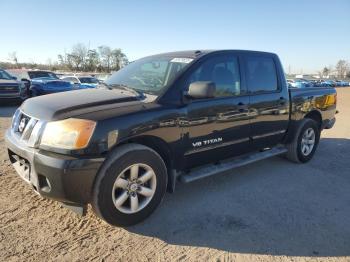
(134, 188)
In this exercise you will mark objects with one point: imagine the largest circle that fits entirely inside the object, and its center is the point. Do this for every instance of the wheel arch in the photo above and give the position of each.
(153, 142)
(159, 146)
(316, 116)
(295, 122)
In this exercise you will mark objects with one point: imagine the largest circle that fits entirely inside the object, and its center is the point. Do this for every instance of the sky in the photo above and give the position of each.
(307, 35)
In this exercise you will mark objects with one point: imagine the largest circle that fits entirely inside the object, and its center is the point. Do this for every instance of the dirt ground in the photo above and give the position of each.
(272, 210)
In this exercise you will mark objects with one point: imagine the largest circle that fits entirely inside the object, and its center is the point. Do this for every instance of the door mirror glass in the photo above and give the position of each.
(201, 89)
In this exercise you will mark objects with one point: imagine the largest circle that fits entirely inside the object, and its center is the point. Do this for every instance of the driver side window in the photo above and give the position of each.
(223, 71)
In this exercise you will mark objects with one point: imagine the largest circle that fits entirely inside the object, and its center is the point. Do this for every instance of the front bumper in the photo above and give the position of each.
(63, 178)
(16, 95)
(328, 124)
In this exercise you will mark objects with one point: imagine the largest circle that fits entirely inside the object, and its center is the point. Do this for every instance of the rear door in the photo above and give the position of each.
(269, 99)
(217, 128)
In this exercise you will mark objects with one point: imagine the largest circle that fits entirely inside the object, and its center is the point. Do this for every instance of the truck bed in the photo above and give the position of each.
(304, 100)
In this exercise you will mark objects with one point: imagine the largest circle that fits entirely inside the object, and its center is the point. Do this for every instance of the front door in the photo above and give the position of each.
(217, 128)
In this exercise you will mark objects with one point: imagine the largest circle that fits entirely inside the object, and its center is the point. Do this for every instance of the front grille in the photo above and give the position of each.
(27, 128)
(21, 165)
(9, 89)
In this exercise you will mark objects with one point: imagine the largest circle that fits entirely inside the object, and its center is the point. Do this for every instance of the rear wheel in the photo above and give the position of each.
(130, 185)
(305, 142)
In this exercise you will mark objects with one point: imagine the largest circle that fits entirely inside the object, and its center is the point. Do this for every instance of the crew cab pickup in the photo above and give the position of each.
(165, 118)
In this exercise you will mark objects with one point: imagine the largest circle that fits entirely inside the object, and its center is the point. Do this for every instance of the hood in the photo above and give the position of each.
(73, 103)
(51, 83)
(88, 85)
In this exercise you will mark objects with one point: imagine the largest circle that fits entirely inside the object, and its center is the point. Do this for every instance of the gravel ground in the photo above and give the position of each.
(272, 210)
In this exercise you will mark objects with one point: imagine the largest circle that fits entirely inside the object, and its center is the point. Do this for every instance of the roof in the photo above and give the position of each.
(188, 53)
(28, 70)
(199, 53)
(77, 76)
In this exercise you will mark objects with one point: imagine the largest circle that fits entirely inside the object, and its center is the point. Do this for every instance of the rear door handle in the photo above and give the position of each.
(282, 101)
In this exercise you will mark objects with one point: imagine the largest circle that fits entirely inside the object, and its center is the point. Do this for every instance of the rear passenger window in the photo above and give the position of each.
(223, 71)
(261, 74)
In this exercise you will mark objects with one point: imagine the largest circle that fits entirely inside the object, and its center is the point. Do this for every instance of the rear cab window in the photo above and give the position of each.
(261, 74)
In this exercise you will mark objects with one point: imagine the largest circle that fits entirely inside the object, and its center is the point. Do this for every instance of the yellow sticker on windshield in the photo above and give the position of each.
(183, 60)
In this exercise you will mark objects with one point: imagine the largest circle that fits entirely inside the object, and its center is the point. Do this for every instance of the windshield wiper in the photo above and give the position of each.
(124, 87)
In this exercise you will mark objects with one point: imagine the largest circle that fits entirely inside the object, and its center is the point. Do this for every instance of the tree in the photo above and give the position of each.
(78, 55)
(13, 58)
(106, 57)
(92, 60)
(80, 58)
(64, 61)
(61, 60)
(325, 71)
(342, 67)
(119, 59)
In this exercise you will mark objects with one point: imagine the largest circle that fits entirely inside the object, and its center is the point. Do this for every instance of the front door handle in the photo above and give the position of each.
(242, 107)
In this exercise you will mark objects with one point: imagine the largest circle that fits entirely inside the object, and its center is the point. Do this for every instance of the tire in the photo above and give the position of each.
(295, 148)
(33, 93)
(118, 167)
(23, 97)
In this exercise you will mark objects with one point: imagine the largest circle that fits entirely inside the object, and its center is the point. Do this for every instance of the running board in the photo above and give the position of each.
(228, 165)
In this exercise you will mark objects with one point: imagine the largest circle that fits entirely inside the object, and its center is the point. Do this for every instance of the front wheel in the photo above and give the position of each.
(33, 93)
(130, 185)
(305, 142)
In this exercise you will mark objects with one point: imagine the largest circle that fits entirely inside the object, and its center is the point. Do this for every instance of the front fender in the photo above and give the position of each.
(36, 90)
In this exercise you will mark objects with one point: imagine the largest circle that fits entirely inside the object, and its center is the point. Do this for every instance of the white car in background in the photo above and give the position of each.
(81, 82)
(103, 77)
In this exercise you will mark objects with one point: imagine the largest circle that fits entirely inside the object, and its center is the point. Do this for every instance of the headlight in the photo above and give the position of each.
(71, 133)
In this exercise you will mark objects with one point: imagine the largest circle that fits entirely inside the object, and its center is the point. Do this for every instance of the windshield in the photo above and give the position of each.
(41, 74)
(149, 75)
(88, 80)
(5, 75)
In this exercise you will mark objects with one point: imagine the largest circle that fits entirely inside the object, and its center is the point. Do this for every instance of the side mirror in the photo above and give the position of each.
(201, 89)
(25, 80)
(14, 77)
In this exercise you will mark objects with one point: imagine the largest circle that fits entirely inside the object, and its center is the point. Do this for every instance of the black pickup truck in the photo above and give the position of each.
(171, 117)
